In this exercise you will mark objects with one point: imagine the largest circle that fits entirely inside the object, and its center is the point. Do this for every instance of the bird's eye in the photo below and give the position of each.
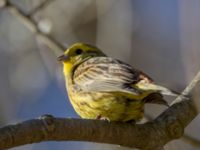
(79, 51)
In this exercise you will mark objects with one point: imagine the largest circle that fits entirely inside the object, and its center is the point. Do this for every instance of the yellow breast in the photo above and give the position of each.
(115, 107)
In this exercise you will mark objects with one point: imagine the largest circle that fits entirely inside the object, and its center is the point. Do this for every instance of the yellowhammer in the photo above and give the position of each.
(102, 87)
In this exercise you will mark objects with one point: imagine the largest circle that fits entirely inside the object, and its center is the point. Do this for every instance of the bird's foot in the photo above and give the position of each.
(131, 121)
(100, 117)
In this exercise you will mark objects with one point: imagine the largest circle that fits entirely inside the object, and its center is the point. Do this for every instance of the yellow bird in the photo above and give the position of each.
(100, 87)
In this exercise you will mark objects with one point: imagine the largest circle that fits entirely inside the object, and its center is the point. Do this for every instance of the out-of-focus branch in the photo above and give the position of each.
(2, 3)
(56, 47)
(41, 6)
(149, 136)
(191, 140)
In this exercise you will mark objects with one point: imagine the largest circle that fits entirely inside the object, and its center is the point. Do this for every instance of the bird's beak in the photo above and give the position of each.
(62, 57)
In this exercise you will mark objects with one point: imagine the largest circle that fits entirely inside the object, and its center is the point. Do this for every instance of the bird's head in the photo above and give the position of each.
(78, 53)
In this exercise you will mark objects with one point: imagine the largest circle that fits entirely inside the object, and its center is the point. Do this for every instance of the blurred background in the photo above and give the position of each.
(162, 38)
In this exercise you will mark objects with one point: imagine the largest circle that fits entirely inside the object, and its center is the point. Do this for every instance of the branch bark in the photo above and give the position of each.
(149, 136)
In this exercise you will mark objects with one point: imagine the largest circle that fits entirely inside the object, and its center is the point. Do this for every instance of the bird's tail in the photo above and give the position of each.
(156, 98)
(156, 88)
(164, 90)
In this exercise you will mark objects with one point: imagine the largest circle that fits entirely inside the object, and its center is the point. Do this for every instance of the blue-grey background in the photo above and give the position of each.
(159, 37)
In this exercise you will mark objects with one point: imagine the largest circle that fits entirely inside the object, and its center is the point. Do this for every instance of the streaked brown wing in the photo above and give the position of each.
(107, 74)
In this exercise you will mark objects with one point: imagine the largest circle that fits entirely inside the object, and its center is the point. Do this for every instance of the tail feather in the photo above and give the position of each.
(155, 98)
(157, 88)
(166, 91)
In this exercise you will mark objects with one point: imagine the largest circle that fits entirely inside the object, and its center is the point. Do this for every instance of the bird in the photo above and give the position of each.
(101, 87)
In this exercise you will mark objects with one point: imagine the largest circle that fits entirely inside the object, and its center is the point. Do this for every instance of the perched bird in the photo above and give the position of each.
(100, 87)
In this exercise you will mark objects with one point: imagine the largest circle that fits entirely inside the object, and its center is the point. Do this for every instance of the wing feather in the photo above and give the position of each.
(105, 74)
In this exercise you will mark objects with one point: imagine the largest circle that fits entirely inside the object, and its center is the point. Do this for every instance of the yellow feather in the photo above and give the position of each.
(67, 68)
(117, 103)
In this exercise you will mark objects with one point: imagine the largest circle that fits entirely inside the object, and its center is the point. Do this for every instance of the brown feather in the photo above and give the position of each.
(145, 77)
(155, 98)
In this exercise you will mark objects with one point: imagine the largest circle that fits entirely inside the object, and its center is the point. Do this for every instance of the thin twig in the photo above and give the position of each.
(56, 47)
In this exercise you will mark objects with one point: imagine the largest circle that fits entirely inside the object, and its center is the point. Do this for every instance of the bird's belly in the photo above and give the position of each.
(109, 105)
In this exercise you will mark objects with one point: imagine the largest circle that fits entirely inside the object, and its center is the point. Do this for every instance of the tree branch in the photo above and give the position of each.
(149, 136)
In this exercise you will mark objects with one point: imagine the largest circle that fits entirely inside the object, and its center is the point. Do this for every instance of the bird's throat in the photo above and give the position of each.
(67, 69)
